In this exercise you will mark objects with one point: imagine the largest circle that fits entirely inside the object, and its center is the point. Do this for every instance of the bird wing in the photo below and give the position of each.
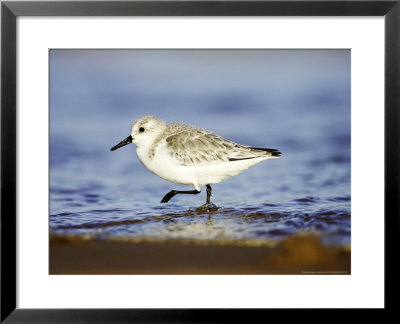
(195, 146)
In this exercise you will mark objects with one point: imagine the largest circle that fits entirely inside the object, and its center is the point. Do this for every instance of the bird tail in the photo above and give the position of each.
(272, 152)
(257, 152)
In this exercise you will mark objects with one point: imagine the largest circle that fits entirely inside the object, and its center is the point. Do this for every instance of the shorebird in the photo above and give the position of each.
(186, 154)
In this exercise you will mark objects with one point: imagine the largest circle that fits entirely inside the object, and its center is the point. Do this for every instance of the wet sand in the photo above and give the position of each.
(72, 254)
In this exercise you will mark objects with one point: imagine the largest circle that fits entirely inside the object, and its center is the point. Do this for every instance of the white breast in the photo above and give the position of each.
(170, 169)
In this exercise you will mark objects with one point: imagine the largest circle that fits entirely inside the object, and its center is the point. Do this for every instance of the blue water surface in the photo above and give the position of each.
(297, 101)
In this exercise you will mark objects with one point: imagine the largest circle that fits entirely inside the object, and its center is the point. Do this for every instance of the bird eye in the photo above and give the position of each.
(141, 129)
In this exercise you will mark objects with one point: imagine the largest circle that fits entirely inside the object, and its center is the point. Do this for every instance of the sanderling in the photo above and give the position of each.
(189, 155)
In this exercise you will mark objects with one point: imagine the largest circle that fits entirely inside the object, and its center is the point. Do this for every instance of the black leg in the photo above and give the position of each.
(172, 193)
(208, 193)
(208, 206)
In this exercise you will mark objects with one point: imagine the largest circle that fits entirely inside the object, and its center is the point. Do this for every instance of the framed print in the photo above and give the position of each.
(206, 91)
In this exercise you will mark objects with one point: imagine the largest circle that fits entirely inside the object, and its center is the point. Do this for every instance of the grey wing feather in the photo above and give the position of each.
(195, 146)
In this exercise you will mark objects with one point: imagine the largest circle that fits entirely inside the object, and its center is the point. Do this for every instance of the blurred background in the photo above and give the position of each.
(296, 101)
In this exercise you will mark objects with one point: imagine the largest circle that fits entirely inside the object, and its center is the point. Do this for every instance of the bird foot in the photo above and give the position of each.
(207, 207)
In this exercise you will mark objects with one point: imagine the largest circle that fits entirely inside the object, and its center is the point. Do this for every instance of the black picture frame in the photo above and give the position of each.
(10, 10)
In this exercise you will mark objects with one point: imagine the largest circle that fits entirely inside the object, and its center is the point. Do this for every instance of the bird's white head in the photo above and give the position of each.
(146, 129)
(143, 132)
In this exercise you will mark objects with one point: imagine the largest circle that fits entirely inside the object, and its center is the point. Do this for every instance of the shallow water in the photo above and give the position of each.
(294, 101)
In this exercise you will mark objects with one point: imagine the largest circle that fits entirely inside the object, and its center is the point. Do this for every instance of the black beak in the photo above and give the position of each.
(126, 141)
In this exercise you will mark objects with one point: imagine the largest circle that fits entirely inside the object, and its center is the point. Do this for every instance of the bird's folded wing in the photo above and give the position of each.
(204, 148)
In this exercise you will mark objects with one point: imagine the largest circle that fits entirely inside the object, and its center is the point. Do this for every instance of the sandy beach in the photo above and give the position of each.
(299, 254)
